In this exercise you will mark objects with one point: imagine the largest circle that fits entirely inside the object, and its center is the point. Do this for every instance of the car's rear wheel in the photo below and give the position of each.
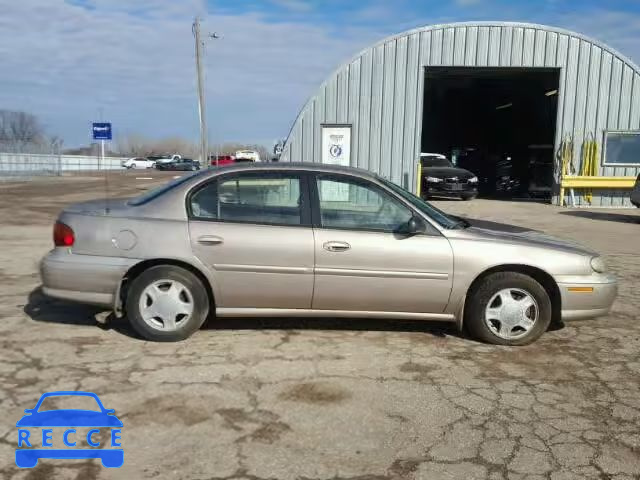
(507, 308)
(166, 303)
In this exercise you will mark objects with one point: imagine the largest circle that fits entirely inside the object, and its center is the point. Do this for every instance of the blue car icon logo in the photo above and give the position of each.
(70, 420)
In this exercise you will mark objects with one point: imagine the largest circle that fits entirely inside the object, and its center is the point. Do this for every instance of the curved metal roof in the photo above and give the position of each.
(379, 91)
(440, 26)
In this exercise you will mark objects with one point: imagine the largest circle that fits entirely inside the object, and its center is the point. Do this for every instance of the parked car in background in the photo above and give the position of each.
(139, 162)
(635, 193)
(221, 160)
(247, 156)
(182, 164)
(309, 240)
(440, 178)
(164, 158)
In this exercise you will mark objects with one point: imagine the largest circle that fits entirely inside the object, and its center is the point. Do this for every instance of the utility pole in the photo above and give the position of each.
(200, 77)
(204, 157)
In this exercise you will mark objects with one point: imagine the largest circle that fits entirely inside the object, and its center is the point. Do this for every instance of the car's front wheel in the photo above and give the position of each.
(166, 303)
(507, 308)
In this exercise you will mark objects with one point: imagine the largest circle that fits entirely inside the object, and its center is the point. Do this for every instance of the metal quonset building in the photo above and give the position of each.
(408, 93)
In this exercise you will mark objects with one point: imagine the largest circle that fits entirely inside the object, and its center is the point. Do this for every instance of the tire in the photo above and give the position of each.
(467, 197)
(187, 304)
(134, 166)
(488, 294)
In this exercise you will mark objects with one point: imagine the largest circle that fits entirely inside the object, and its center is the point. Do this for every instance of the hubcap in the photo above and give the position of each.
(166, 305)
(511, 313)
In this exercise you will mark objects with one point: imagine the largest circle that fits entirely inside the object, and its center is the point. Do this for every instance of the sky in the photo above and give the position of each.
(71, 62)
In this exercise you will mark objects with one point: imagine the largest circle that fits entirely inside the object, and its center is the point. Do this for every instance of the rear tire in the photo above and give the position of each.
(166, 303)
(510, 322)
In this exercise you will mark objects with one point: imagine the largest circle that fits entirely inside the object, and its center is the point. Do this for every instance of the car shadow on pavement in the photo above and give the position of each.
(45, 309)
(436, 329)
(605, 216)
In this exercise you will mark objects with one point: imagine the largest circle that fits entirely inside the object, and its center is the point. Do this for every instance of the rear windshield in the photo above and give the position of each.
(162, 189)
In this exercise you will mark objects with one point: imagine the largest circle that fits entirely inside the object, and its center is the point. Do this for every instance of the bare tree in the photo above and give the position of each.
(20, 131)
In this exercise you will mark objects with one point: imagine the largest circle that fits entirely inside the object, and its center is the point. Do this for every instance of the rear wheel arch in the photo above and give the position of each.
(144, 265)
(542, 277)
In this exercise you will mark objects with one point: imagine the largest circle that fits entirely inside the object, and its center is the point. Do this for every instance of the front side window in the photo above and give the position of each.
(354, 204)
(267, 198)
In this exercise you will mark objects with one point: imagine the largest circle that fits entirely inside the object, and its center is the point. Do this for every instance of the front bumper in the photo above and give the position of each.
(586, 296)
(451, 189)
(83, 278)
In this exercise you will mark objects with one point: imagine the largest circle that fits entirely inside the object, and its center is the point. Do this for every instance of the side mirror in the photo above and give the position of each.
(28, 410)
(415, 225)
(109, 411)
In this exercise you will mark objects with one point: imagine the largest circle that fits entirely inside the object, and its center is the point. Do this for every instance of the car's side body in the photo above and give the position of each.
(635, 193)
(179, 164)
(139, 162)
(279, 270)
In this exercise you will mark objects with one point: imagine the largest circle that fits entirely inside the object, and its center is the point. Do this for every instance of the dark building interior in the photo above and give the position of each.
(500, 123)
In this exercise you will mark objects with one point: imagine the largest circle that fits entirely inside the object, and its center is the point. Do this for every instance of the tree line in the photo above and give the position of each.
(22, 132)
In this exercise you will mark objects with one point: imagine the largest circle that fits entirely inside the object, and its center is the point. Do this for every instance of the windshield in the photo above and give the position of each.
(435, 162)
(69, 402)
(432, 212)
(156, 192)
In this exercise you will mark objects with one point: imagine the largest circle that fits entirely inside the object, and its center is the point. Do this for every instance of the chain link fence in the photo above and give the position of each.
(15, 166)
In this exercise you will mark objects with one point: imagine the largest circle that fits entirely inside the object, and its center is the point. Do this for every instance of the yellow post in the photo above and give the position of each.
(419, 181)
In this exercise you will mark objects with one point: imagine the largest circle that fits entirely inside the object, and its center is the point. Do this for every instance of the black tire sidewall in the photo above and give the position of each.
(480, 295)
(188, 279)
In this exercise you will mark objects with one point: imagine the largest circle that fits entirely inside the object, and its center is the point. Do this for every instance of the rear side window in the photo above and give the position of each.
(270, 198)
(162, 189)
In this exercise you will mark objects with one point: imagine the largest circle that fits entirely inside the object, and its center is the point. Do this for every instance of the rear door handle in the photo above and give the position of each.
(336, 246)
(210, 240)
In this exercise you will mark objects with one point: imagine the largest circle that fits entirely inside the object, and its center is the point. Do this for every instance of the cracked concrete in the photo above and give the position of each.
(330, 398)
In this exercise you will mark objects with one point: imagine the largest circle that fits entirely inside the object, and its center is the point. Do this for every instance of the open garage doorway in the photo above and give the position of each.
(499, 123)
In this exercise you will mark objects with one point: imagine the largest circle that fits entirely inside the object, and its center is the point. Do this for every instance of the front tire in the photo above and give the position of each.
(507, 308)
(166, 303)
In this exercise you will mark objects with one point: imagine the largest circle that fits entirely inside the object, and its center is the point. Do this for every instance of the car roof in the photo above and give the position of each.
(304, 166)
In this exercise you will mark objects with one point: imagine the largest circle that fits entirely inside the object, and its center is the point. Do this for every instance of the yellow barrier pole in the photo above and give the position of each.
(419, 181)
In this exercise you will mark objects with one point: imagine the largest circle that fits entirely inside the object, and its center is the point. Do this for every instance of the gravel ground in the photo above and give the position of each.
(328, 398)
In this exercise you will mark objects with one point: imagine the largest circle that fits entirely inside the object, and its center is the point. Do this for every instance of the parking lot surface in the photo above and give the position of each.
(327, 398)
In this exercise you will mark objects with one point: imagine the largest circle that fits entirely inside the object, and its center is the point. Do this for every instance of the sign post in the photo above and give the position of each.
(101, 131)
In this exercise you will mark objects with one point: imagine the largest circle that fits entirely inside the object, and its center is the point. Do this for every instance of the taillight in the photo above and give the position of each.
(63, 235)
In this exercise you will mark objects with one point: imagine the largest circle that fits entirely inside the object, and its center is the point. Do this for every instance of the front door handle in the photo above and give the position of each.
(210, 240)
(336, 246)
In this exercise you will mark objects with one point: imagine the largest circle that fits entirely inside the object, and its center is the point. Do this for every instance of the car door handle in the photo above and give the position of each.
(210, 240)
(336, 246)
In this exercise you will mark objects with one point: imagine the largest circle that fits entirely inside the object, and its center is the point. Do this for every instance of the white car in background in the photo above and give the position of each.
(247, 156)
(139, 162)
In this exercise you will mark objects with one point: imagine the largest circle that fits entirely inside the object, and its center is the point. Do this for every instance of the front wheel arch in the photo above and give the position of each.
(541, 276)
(140, 267)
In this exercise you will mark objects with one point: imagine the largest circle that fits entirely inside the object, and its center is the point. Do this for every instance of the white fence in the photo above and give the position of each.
(31, 164)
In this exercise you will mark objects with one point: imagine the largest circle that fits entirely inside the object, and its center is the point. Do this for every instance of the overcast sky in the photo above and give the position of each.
(66, 60)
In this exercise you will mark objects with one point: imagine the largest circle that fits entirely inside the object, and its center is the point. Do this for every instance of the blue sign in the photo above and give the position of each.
(101, 131)
(28, 452)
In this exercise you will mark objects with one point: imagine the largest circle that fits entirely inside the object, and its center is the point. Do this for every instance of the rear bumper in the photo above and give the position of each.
(83, 278)
(585, 297)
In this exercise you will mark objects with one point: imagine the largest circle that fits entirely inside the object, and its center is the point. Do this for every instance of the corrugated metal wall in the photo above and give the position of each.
(380, 93)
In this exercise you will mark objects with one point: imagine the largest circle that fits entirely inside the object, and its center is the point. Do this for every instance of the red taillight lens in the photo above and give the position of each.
(63, 235)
